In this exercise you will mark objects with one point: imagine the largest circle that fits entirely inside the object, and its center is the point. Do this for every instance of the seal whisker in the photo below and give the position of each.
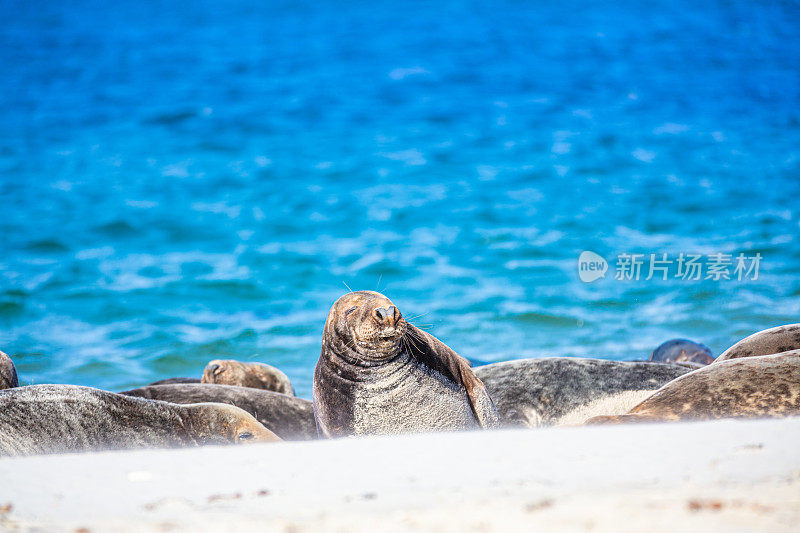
(413, 342)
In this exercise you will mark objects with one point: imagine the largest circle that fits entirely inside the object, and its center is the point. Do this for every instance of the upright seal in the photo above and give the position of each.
(765, 342)
(252, 375)
(8, 373)
(66, 418)
(378, 374)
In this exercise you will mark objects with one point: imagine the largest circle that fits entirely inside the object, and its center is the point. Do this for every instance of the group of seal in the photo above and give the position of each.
(66, 418)
(379, 374)
(758, 377)
(557, 391)
(39, 419)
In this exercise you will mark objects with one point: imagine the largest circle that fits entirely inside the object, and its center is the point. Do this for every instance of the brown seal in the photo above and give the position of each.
(288, 417)
(8, 373)
(766, 342)
(682, 351)
(764, 386)
(378, 374)
(253, 375)
(66, 418)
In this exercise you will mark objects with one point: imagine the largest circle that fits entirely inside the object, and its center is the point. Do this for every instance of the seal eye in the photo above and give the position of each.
(246, 435)
(350, 311)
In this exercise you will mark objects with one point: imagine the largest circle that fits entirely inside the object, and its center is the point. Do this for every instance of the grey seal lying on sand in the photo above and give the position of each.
(253, 375)
(66, 418)
(682, 351)
(765, 342)
(8, 373)
(568, 390)
(288, 417)
(378, 374)
(762, 386)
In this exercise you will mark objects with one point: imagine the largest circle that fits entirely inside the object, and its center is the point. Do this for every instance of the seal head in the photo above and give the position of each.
(379, 374)
(682, 351)
(234, 425)
(365, 328)
(8, 373)
(252, 375)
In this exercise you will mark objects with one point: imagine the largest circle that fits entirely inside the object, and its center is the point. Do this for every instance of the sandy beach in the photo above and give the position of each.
(714, 476)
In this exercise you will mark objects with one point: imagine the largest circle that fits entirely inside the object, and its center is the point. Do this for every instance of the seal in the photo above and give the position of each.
(682, 351)
(288, 417)
(555, 391)
(761, 386)
(40, 419)
(8, 373)
(378, 374)
(766, 342)
(171, 381)
(253, 375)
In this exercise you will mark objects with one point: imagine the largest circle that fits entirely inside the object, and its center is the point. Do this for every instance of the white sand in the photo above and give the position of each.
(728, 475)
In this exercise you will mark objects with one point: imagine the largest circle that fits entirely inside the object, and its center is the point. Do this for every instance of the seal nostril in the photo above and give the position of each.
(395, 314)
(214, 369)
(381, 314)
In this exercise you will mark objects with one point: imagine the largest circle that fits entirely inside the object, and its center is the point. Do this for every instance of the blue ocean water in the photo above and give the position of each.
(187, 181)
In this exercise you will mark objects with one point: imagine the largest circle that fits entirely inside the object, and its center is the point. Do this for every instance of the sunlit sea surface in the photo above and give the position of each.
(188, 181)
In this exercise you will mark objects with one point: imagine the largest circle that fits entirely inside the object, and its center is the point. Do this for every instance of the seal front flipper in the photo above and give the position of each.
(440, 357)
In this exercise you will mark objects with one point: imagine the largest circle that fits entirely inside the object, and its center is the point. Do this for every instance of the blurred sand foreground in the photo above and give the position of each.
(711, 476)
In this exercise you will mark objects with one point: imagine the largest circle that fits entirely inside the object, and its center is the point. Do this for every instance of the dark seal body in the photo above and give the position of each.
(568, 390)
(253, 375)
(682, 351)
(8, 373)
(377, 374)
(41, 419)
(288, 417)
(765, 386)
(173, 381)
(766, 342)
